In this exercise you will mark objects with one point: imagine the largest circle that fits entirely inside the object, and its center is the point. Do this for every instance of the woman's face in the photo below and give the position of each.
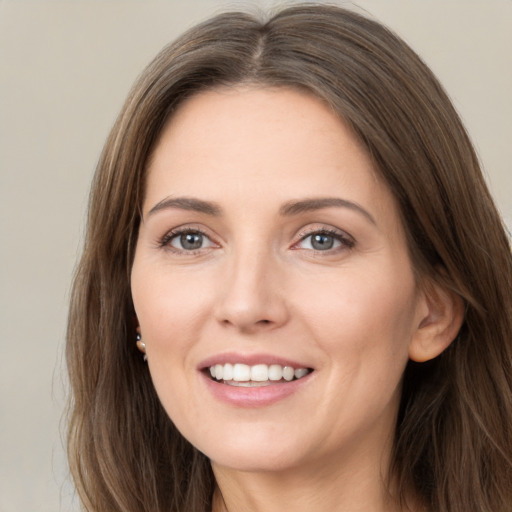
(269, 248)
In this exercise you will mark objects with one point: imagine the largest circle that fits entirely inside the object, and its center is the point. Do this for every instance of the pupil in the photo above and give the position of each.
(191, 241)
(322, 242)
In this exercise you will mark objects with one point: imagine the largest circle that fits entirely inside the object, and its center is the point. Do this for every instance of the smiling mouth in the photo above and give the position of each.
(258, 375)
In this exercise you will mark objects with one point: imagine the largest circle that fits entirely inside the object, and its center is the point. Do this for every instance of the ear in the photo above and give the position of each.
(442, 317)
(136, 324)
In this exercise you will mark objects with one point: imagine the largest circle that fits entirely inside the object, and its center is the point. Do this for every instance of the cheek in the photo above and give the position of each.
(361, 318)
(167, 303)
(168, 308)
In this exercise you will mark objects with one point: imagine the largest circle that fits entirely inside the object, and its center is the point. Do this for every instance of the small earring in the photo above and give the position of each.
(141, 346)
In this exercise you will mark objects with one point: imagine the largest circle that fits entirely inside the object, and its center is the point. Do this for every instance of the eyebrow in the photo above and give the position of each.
(317, 203)
(187, 203)
(288, 209)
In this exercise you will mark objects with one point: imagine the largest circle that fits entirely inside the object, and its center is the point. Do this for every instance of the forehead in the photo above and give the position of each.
(257, 108)
(280, 142)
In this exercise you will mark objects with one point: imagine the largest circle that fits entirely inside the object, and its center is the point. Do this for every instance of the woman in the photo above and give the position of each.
(289, 220)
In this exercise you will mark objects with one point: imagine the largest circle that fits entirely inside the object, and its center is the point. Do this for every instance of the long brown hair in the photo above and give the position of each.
(453, 444)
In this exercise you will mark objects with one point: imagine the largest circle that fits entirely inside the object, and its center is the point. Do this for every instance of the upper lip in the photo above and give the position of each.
(250, 360)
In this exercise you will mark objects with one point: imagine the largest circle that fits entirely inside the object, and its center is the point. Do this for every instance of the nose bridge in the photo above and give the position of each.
(252, 297)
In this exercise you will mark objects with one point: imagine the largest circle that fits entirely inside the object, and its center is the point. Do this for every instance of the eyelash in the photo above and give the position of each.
(165, 242)
(346, 242)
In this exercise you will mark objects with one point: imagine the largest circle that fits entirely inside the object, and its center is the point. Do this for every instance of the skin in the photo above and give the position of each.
(353, 313)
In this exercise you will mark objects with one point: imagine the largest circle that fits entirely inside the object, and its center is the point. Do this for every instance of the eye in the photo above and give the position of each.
(187, 240)
(324, 240)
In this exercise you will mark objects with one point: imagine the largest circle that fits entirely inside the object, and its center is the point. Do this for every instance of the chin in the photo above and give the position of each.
(251, 453)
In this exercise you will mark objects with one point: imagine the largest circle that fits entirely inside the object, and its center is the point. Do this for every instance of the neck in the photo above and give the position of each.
(361, 487)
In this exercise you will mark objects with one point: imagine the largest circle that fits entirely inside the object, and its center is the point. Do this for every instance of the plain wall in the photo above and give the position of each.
(65, 68)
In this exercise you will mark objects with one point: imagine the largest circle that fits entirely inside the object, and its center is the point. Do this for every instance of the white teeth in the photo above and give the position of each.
(299, 372)
(227, 373)
(288, 373)
(241, 372)
(275, 372)
(255, 375)
(259, 372)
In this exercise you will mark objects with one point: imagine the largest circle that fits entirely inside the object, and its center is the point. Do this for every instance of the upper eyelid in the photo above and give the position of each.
(187, 228)
(331, 230)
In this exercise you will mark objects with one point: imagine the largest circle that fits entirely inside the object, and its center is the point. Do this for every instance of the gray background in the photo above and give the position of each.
(65, 68)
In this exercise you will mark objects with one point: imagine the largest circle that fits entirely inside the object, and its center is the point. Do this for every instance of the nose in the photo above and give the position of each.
(252, 294)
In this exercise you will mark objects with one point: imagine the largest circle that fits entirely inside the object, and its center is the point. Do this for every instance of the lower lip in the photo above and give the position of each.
(254, 396)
